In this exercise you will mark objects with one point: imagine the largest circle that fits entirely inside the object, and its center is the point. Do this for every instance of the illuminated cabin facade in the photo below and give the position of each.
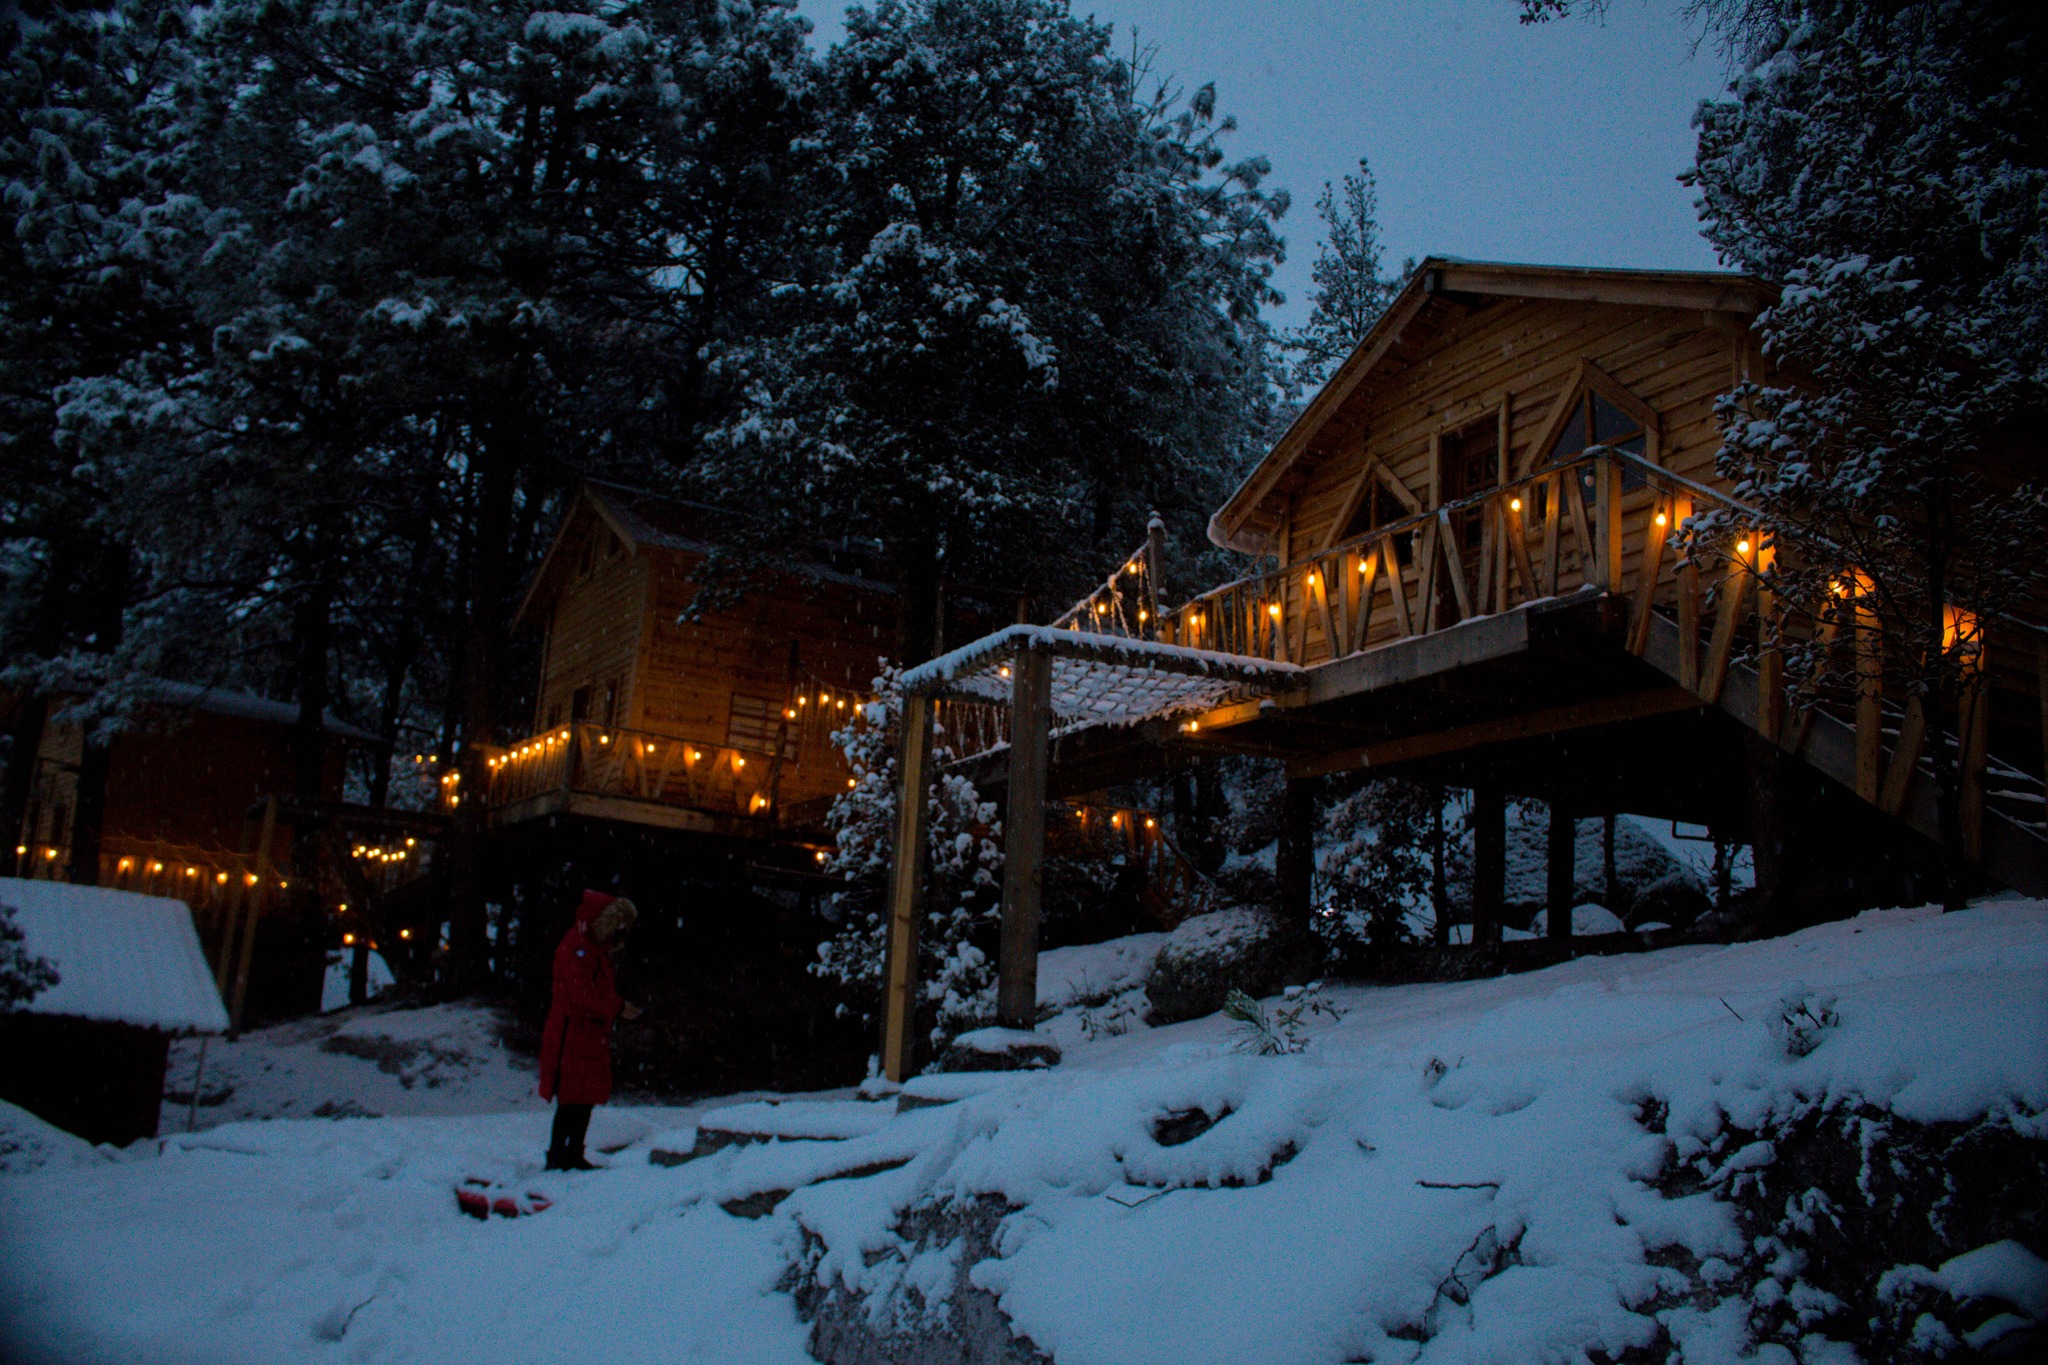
(1463, 570)
(718, 722)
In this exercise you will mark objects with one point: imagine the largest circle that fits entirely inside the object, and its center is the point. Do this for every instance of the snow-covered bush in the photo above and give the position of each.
(1803, 1021)
(963, 875)
(1373, 872)
(23, 974)
(1284, 1031)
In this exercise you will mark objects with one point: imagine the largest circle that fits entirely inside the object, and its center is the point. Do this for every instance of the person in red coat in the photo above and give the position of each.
(576, 1043)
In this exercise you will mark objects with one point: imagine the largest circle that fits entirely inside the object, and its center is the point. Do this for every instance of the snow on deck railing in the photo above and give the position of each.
(1115, 651)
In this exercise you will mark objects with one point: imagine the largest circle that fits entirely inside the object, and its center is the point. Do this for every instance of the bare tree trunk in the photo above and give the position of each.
(106, 619)
(25, 730)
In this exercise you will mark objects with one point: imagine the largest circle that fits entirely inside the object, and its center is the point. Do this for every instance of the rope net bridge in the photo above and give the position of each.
(1043, 676)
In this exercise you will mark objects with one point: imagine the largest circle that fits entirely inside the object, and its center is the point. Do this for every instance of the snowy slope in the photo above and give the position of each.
(375, 1060)
(1464, 1162)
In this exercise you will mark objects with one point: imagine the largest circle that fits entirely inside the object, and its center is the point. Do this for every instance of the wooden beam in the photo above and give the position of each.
(1689, 624)
(1561, 872)
(1869, 698)
(1553, 506)
(1530, 725)
(1489, 862)
(1426, 562)
(1392, 483)
(1575, 497)
(1607, 524)
(1905, 758)
(1420, 656)
(1318, 587)
(1727, 617)
(1455, 563)
(1353, 496)
(1976, 725)
(1662, 517)
(1390, 565)
(906, 891)
(1024, 841)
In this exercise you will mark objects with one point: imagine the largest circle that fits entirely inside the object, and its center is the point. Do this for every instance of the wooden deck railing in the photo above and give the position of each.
(639, 765)
(1604, 521)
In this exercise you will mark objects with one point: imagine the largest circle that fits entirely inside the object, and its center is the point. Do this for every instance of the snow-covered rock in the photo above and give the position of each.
(1588, 921)
(1208, 956)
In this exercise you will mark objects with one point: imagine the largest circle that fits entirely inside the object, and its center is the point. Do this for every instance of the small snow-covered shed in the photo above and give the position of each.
(89, 1053)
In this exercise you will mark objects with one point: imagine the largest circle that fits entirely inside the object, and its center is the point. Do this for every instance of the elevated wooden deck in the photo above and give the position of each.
(1540, 638)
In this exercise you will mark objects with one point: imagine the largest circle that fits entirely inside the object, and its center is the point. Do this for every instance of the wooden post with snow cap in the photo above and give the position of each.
(906, 889)
(1155, 559)
(1024, 839)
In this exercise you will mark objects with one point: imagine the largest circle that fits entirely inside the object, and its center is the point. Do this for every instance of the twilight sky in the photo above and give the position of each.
(1557, 143)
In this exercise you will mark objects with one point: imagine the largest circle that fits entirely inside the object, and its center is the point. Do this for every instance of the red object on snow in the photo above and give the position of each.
(576, 1042)
(482, 1198)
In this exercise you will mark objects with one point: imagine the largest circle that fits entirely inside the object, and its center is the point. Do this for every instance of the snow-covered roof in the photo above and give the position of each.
(120, 957)
(1098, 679)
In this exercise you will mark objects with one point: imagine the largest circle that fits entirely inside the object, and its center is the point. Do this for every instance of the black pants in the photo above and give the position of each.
(572, 1121)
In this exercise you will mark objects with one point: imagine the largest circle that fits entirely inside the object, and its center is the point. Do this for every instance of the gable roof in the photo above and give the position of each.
(1437, 284)
(651, 521)
(120, 957)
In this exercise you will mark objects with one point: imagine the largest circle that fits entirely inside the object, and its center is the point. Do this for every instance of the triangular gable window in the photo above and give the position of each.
(1598, 411)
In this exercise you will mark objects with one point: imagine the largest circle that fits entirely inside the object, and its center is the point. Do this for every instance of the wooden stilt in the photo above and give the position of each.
(1728, 613)
(1489, 862)
(1899, 775)
(906, 891)
(1976, 733)
(1654, 538)
(1869, 699)
(1562, 873)
(1024, 840)
(1607, 562)
(1689, 625)
(254, 913)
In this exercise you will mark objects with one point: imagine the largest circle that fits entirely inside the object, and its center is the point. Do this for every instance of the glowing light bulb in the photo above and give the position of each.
(1274, 611)
(1742, 547)
(348, 940)
(405, 933)
(1662, 519)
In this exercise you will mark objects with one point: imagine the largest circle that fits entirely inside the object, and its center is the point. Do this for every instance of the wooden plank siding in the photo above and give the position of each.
(1526, 351)
(614, 615)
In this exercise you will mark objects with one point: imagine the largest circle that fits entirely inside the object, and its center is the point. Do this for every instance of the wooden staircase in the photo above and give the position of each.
(2011, 805)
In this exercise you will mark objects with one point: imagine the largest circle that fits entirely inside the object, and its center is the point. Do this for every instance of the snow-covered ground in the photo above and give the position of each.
(372, 1061)
(1321, 1219)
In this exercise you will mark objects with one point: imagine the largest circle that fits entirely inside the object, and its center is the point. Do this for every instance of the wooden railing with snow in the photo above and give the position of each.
(588, 759)
(1605, 521)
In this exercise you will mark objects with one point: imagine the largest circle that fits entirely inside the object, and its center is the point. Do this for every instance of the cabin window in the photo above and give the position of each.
(1596, 421)
(1378, 507)
(579, 705)
(1469, 464)
(754, 723)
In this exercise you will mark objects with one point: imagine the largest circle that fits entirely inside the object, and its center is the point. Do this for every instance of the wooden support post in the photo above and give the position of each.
(1869, 698)
(1770, 667)
(1662, 517)
(1905, 757)
(1518, 549)
(254, 914)
(1319, 588)
(906, 890)
(1390, 569)
(1439, 892)
(1561, 884)
(1155, 559)
(1553, 497)
(1728, 614)
(1610, 876)
(1607, 523)
(1689, 625)
(1976, 734)
(1489, 862)
(1024, 840)
(1575, 497)
(2041, 683)
(1294, 861)
(1454, 564)
(1426, 562)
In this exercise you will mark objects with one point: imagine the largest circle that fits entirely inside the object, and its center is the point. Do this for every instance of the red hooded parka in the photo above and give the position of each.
(576, 1044)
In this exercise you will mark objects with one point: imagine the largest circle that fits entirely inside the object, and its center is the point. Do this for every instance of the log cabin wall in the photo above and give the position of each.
(1516, 356)
(594, 630)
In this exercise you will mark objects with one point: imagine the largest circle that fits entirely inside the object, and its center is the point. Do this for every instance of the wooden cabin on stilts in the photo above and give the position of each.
(1475, 580)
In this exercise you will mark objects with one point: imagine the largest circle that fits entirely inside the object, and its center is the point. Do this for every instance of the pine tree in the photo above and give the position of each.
(1887, 165)
(1350, 290)
(963, 871)
(1032, 302)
